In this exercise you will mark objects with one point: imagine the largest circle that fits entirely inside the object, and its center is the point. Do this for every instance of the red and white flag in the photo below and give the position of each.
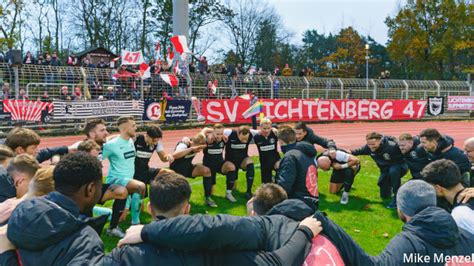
(180, 44)
(170, 79)
(145, 70)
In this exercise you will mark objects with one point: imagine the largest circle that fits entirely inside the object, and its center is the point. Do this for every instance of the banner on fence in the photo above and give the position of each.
(230, 111)
(435, 105)
(93, 109)
(169, 111)
(461, 103)
(26, 110)
(4, 116)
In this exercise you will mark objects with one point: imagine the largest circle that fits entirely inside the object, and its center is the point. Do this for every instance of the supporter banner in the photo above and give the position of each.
(435, 105)
(4, 116)
(132, 58)
(93, 109)
(461, 103)
(169, 111)
(26, 110)
(230, 111)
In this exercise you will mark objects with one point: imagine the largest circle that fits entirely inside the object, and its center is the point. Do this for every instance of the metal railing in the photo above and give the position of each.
(83, 83)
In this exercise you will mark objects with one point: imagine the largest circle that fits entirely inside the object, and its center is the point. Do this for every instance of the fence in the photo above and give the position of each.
(49, 83)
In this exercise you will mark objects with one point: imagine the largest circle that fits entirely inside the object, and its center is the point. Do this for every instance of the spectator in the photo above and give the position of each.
(29, 59)
(253, 100)
(102, 64)
(302, 73)
(152, 66)
(239, 70)
(223, 69)
(287, 71)
(72, 60)
(55, 60)
(309, 72)
(88, 63)
(65, 95)
(166, 96)
(276, 71)
(110, 95)
(22, 95)
(136, 94)
(429, 233)
(260, 71)
(97, 88)
(40, 60)
(276, 88)
(5, 93)
(444, 175)
(78, 94)
(7, 188)
(45, 97)
(192, 68)
(203, 65)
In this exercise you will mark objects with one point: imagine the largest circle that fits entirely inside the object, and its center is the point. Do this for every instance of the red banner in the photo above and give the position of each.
(26, 110)
(284, 110)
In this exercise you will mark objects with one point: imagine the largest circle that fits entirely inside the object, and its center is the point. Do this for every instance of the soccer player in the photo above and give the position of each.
(413, 154)
(214, 159)
(184, 154)
(145, 146)
(236, 152)
(304, 133)
(433, 143)
(444, 175)
(469, 151)
(120, 152)
(344, 166)
(266, 140)
(96, 130)
(297, 173)
(388, 157)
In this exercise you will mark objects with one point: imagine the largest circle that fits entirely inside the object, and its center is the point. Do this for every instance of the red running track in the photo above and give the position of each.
(346, 135)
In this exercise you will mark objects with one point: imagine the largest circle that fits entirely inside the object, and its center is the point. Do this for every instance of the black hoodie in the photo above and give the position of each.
(293, 172)
(431, 232)
(50, 231)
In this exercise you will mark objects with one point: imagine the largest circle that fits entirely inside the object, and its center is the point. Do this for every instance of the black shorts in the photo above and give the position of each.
(147, 176)
(185, 171)
(215, 167)
(237, 162)
(106, 187)
(338, 176)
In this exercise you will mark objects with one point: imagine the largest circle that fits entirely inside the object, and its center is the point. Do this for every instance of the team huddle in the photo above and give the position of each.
(68, 217)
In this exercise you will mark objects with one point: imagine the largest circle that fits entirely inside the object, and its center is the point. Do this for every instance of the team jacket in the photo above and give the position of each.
(386, 155)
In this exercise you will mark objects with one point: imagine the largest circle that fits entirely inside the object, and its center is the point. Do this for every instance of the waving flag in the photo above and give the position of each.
(255, 109)
(180, 44)
(170, 79)
(176, 69)
(145, 70)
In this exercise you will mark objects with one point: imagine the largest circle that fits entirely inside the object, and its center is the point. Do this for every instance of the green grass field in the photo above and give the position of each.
(365, 218)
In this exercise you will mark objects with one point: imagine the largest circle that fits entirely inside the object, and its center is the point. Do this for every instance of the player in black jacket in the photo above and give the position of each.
(305, 133)
(184, 154)
(414, 155)
(266, 140)
(344, 166)
(385, 152)
(437, 146)
(214, 158)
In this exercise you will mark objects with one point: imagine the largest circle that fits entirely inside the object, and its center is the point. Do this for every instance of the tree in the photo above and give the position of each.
(244, 26)
(9, 20)
(432, 38)
(349, 58)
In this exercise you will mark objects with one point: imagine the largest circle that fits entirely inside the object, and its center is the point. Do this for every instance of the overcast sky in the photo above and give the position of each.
(329, 16)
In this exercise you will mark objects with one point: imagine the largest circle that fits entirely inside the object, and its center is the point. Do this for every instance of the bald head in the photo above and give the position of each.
(324, 163)
(469, 148)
